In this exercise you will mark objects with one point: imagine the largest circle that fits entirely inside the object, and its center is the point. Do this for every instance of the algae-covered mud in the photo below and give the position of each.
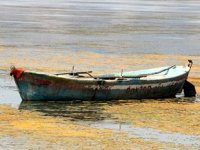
(100, 125)
(103, 36)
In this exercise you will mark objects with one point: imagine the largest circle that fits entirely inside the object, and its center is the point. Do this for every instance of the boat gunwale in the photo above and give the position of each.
(116, 80)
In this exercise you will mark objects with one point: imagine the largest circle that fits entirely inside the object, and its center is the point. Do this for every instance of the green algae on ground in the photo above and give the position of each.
(167, 116)
(24, 121)
(55, 132)
(98, 62)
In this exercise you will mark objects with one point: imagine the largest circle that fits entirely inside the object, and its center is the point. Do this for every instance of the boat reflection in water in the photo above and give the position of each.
(81, 110)
(92, 110)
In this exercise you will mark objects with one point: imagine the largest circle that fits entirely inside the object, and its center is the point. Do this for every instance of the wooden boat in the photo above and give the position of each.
(164, 82)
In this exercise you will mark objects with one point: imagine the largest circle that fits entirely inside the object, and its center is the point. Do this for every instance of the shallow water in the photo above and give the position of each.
(93, 114)
(149, 133)
(103, 36)
(167, 27)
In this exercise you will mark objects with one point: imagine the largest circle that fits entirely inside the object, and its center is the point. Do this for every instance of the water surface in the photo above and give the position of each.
(103, 36)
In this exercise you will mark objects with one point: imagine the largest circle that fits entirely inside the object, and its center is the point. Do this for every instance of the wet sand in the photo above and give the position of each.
(167, 115)
(57, 132)
(84, 126)
(40, 128)
(103, 37)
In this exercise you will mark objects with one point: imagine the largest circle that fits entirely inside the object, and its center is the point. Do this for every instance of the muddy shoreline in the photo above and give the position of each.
(105, 37)
(59, 130)
(84, 125)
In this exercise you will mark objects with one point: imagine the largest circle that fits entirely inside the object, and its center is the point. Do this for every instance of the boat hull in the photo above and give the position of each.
(35, 86)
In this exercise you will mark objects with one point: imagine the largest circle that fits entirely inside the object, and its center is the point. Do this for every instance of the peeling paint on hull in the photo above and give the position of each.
(36, 86)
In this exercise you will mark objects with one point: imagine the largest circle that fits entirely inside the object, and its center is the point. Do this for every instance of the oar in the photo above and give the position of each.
(113, 77)
(138, 76)
(75, 73)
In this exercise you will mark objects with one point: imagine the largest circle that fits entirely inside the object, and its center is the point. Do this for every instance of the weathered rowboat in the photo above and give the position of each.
(164, 82)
